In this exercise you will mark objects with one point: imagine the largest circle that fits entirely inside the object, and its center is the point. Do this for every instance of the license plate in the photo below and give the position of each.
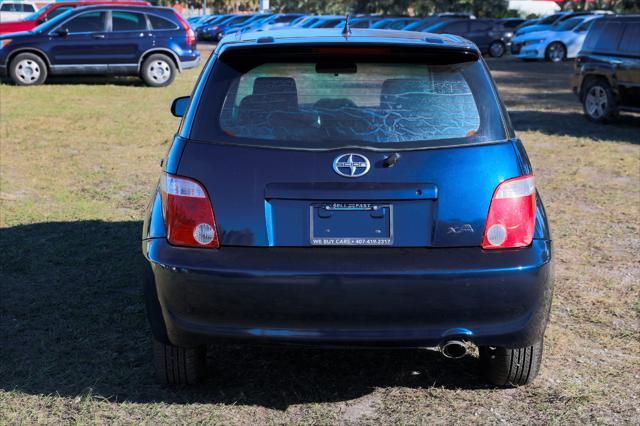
(351, 224)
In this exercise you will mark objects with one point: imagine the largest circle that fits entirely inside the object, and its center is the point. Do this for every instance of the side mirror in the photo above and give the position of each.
(61, 32)
(179, 105)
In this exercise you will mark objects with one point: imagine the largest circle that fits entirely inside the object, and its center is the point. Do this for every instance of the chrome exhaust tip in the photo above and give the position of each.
(454, 349)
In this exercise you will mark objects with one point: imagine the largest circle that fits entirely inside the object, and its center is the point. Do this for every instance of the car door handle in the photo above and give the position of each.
(97, 35)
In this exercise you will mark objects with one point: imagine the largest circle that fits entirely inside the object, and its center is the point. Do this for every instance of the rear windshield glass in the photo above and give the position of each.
(333, 104)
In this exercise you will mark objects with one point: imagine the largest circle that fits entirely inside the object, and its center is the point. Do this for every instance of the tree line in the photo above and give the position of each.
(480, 8)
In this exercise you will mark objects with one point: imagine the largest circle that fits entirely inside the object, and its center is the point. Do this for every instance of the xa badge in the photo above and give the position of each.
(351, 165)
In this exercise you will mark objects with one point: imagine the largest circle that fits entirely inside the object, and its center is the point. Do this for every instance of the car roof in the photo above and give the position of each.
(109, 6)
(102, 3)
(626, 17)
(335, 36)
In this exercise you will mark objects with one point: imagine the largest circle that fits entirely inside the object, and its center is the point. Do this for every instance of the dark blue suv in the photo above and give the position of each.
(360, 188)
(152, 42)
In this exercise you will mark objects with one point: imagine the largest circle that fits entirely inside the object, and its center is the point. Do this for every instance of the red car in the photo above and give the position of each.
(54, 9)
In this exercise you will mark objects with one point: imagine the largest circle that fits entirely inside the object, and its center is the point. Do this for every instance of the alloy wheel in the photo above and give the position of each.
(556, 52)
(596, 102)
(496, 50)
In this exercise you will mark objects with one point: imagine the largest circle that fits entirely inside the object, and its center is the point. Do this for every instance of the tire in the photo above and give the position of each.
(27, 69)
(556, 52)
(179, 366)
(158, 70)
(497, 49)
(598, 102)
(511, 367)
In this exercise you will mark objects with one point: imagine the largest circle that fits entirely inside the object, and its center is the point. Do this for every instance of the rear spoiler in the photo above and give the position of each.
(429, 53)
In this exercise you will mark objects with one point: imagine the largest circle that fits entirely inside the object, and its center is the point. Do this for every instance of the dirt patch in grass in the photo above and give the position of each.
(78, 162)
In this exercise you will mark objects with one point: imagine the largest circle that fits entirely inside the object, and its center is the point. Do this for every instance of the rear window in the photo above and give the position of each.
(603, 36)
(128, 21)
(318, 104)
(630, 43)
(16, 7)
(158, 23)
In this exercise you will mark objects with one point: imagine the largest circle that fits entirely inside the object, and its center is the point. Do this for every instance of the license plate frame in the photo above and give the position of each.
(379, 211)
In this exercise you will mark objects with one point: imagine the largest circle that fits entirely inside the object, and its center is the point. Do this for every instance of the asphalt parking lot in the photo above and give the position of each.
(78, 160)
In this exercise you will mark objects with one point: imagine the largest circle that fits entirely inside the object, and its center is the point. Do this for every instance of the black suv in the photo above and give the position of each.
(607, 77)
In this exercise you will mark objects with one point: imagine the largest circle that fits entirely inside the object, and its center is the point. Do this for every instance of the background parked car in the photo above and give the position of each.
(275, 22)
(553, 22)
(423, 24)
(14, 10)
(361, 22)
(327, 22)
(455, 15)
(214, 30)
(394, 23)
(152, 42)
(52, 10)
(607, 70)
(483, 32)
(554, 45)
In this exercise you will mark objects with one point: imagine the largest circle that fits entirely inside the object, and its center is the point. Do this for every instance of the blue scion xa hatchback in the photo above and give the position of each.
(362, 188)
(152, 42)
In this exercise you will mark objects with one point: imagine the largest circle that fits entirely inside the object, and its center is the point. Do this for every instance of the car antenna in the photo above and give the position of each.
(346, 31)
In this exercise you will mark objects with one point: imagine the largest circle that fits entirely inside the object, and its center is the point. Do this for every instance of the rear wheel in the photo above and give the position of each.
(177, 365)
(27, 69)
(598, 101)
(511, 367)
(158, 70)
(556, 52)
(497, 49)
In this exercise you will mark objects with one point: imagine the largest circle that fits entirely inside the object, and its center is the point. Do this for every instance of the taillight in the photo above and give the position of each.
(187, 212)
(191, 38)
(512, 214)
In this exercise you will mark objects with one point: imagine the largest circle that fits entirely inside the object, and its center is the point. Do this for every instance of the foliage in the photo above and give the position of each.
(480, 8)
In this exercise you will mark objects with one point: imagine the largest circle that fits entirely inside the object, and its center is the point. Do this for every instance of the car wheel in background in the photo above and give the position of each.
(158, 70)
(556, 52)
(27, 69)
(511, 367)
(598, 101)
(497, 49)
(176, 365)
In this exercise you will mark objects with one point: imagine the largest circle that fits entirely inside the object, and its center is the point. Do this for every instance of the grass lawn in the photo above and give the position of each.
(78, 159)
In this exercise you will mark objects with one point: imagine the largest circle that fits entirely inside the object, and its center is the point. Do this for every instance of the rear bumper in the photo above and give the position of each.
(191, 64)
(351, 296)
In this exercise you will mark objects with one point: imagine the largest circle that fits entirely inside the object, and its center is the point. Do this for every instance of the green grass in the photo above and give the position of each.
(77, 164)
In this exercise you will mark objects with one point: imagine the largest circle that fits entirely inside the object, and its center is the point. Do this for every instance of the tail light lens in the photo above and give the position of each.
(187, 212)
(191, 37)
(512, 214)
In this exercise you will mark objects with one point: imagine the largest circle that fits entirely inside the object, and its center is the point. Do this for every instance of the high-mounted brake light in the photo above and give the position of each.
(187, 212)
(512, 214)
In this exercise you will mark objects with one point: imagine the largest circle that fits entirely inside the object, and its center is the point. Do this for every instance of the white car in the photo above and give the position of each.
(556, 44)
(15, 10)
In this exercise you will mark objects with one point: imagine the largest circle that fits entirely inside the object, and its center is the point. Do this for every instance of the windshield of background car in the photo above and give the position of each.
(52, 23)
(37, 13)
(585, 25)
(326, 103)
(550, 20)
(570, 24)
